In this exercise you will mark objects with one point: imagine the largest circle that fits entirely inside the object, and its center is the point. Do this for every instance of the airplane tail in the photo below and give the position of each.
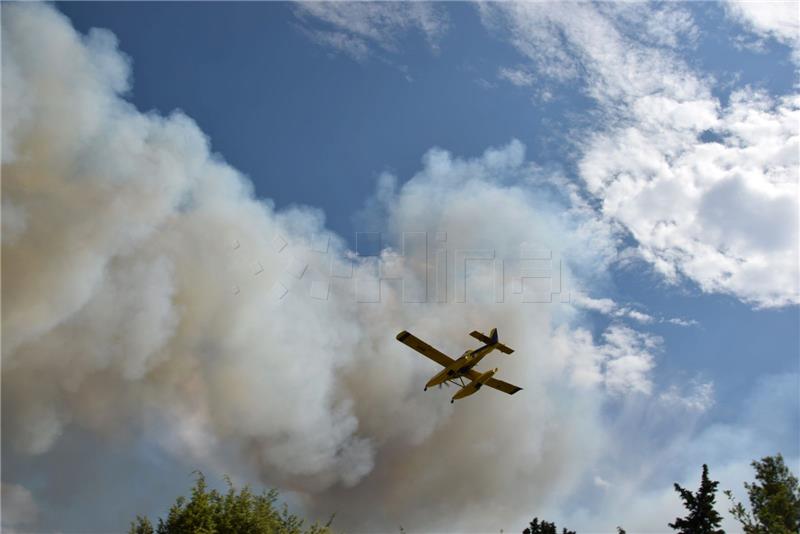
(492, 339)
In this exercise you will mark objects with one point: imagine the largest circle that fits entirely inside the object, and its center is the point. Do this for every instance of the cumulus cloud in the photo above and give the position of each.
(722, 214)
(621, 363)
(152, 295)
(358, 28)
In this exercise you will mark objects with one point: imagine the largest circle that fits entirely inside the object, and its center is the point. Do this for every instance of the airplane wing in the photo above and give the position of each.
(423, 348)
(499, 385)
(505, 387)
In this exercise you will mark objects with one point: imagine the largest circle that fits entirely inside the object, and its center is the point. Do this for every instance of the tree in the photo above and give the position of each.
(544, 528)
(212, 512)
(702, 517)
(774, 499)
(141, 526)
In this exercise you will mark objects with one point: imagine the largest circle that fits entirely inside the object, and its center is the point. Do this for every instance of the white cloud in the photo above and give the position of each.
(722, 214)
(682, 322)
(608, 307)
(568, 41)
(622, 363)
(637, 315)
(518, 77)
(699, 399)
(668, 25)
(777, 19)
(629, 359)
(604, 305)
(355, 28)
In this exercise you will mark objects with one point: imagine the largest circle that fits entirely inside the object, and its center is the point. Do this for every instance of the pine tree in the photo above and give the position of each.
(774, 499)
(702, 517)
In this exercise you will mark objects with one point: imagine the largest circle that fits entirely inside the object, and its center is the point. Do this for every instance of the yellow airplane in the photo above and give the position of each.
(455, 371)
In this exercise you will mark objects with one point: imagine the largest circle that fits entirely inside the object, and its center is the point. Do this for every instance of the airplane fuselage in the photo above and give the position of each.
(461, 366)
(456, 370)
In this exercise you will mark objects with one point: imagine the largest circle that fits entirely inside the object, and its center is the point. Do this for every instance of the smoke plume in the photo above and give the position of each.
(151, 302)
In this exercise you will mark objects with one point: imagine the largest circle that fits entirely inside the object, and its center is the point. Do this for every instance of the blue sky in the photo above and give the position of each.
(659, 156)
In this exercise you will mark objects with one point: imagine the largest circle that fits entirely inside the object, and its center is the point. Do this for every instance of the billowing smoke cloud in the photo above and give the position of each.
(150, 298)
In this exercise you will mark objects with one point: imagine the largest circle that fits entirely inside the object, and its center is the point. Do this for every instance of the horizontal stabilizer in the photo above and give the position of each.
(503, 348)
(486, 339)
(481, 337)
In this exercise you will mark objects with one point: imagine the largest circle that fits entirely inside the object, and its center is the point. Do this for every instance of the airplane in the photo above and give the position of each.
(455, 371)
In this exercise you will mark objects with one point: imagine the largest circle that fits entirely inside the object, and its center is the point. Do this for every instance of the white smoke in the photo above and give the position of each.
(142, 297)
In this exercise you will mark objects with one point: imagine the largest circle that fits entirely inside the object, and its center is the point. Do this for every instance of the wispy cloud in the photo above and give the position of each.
(362, 29)
(611, 308)
(345, 43)
(517, 76)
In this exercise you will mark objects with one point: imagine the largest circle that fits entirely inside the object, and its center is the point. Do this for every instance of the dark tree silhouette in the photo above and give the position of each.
(544, 527)
(702, 517)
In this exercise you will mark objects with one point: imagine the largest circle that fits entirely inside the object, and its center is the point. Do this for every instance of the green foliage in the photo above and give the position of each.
(212, 512)
(702, 517)
(774, 499)
(544, 527)
(141, 526)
